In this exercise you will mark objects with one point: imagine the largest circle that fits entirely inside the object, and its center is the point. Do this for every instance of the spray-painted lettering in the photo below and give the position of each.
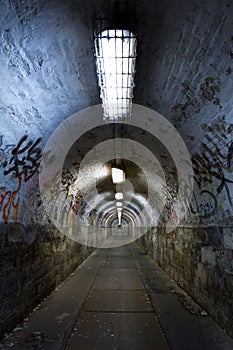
(25, 159)
(9, 202)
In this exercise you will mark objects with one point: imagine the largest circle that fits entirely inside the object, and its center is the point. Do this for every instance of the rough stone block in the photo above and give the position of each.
(228, 238)
(32, 269)
(208, 255)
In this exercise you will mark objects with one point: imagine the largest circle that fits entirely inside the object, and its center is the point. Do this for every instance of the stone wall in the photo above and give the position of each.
(200, 260)
(29, 272)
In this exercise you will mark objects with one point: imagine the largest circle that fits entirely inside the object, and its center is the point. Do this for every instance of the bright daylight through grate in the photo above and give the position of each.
(115, 52)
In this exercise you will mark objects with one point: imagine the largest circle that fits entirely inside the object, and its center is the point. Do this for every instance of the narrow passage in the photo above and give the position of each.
(118, 313)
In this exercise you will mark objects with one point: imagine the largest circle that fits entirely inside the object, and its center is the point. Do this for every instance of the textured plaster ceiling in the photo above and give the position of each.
(47, 66)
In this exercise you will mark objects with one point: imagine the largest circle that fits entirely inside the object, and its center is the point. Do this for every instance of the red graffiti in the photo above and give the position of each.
(9, 202)
(75, 207)
(172, 215)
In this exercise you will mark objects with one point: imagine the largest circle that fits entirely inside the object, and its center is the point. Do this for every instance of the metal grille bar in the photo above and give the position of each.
(115, 51)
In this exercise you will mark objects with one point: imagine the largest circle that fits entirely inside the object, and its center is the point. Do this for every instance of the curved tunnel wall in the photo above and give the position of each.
(49, 74)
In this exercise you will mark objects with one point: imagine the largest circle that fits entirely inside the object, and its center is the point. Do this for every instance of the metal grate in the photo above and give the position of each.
(115, 51)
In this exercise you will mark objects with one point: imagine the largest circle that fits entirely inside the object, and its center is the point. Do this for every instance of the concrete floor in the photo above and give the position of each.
(118, 299)
(118, 313)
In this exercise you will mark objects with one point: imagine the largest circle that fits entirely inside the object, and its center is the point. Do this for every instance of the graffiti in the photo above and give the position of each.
(22, 160)
(51, 187)
(206, 208)
(4, 150)
(171, 213)
(83, 208)
(25, 159)
(229, 155)
(207, 201)
(100, 219)
(67, 179)
(92, 216)
(77, 204)
(215, 153)
(31, 202)
(224, 184)
(204, 204)
(9, 202)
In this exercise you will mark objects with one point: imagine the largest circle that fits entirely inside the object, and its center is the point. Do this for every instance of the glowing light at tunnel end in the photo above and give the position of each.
(118, 176)
(59, 203)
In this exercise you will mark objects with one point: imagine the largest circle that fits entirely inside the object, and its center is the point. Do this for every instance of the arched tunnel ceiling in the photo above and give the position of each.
(110, 131)
(47, 55)
(100, 188)
(183, 65)
(183, 68)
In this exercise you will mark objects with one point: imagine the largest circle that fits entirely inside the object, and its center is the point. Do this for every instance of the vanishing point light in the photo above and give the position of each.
(118, 176)
(115, 52)
(119, 217)
(118, 195)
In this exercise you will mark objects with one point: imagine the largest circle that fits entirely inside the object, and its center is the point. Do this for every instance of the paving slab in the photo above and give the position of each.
(119, 251)
(119, 331)
(120, 262)
(118, 319)
(118, 279)
(50, 325)
(118, 313)
(118, 300)
(185, 324)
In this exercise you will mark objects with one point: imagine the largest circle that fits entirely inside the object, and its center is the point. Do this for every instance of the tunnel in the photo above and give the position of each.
(116, 148)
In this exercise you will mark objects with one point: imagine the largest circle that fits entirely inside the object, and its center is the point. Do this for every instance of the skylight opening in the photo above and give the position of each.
(115, 52)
